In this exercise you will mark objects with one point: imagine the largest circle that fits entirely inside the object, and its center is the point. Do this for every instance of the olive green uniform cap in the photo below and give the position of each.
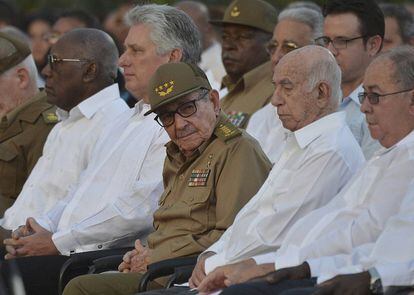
(253, 13)
(12, 52)
(174, 80)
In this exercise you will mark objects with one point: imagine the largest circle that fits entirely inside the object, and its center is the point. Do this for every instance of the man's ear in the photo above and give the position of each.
(23, 78)
(176, 55)
(90, 72)
(215, 99)
(374, 45)
(324, 95)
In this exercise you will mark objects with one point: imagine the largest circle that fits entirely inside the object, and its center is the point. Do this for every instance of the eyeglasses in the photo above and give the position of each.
(53, 59)
(185, 110)
(373, 97)
(285, 47)
(337, 43)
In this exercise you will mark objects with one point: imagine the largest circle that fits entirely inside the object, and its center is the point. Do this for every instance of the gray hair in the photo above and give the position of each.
(308, 16)
(170, 29)
(29, 64)
(403, 59)
(403, 17)
(325, 69)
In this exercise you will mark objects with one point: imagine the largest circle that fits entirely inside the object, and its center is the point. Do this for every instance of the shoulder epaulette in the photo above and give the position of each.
(50, 117)
(226, 131)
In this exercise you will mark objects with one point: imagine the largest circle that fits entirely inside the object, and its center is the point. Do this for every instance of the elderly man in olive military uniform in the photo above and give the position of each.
(211, 170)
(25, 118)
(247, 27)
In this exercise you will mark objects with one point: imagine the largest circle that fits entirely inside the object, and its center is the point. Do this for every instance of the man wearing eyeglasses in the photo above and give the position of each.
(88, 103)
(207, 177)
(353, 32)
(296, 28)
(246, 26)
(347, 235)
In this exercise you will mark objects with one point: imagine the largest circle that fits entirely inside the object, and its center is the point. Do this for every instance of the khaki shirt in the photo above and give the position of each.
(252, 92)
(22, 135)
(204, 193)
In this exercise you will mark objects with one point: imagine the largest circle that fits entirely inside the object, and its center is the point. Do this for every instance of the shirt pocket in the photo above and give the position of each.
(8, 172)
(199, 204)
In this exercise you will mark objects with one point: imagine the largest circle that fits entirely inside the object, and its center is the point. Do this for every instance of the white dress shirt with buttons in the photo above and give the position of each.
(357, 215)
(118, 192)
(66, 154)
(391, 254)
(317, 162)
(357, 123)
(266, 127)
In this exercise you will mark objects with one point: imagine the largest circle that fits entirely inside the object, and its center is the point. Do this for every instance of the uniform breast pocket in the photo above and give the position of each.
(8, 172)
(199, 203)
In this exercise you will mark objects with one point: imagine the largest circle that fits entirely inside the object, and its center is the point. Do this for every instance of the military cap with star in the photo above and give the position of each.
(12, 51)
(258, 14)
(174, 80)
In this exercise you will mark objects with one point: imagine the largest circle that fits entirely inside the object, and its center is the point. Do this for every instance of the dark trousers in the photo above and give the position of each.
(40, 274)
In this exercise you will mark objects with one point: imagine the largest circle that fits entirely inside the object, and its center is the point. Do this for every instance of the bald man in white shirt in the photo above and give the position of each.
(358, 215)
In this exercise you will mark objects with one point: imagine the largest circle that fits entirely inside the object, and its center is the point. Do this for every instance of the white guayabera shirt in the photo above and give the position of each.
(67, 152)
(118, 193)
(357, 215)
(317, 162)
(391, 254)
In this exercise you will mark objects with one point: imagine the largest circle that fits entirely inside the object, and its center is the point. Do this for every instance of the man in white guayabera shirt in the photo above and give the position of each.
(81, 83)
(117, 194)
(359, 214)
(320, 156)
(296, 27)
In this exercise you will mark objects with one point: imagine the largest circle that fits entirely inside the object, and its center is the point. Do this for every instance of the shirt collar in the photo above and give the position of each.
(141, 107)
(92, 104)
(9, 117)
(309, 133)
(354, 95)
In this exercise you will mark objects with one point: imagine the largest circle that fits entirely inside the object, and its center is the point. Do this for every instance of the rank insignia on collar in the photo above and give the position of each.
(165, 89)
(199, 177)
(238, 119)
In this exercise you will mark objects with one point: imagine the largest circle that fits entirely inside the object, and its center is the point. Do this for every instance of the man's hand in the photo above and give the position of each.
(30, 240)
(354, 284)
(199, 272)
(231, 274)
(299, 272)
(136, 260)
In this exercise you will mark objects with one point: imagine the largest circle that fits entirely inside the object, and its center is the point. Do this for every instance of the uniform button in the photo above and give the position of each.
(99, 246)
(181, 177)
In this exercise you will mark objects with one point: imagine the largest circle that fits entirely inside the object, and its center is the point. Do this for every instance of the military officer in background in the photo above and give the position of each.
(247, 27)
(25, 118)
(211, 170)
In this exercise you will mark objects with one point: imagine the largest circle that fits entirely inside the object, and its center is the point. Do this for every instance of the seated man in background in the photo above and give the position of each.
(296, 28)
(399, 26)
(211, 171)
(26, 118)
(80, 81)
(246, 28)
(321, 241)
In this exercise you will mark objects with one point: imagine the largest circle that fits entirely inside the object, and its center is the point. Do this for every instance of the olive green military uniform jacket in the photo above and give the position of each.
(204, 193)
(252, 92)
(23, 132)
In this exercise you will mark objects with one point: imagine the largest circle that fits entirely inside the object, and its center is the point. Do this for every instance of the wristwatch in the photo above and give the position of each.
(375, 285)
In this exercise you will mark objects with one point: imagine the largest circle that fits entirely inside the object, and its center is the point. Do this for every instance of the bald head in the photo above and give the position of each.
(307, 84)
(97, 46)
